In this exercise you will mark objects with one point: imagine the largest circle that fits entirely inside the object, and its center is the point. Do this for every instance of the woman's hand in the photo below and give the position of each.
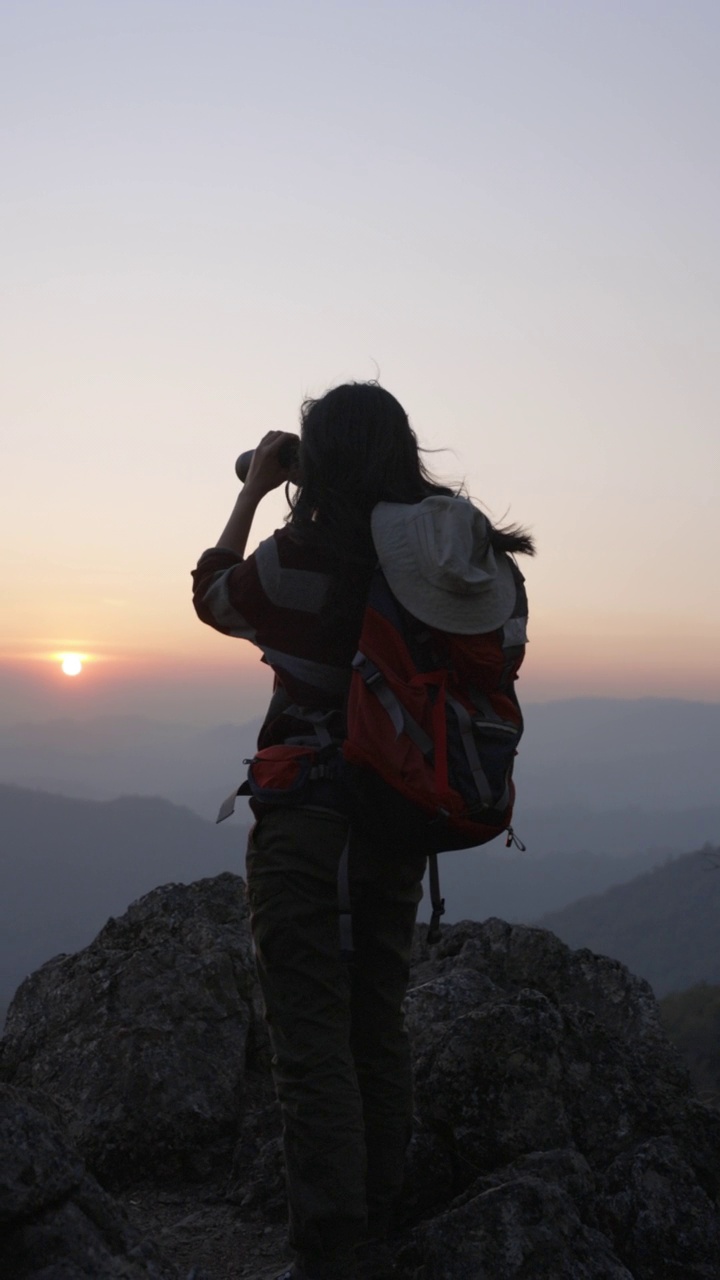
(264, 474)
(266, 471)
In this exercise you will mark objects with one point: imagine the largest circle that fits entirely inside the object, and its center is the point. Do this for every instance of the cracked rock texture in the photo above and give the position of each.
(538, 1070)
(56, 1222)
(556, 1134)
(143, 1038)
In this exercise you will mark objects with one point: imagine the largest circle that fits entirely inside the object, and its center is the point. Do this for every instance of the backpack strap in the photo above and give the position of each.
(347, 945)
(402, 721)
(438, 902)
(465, 725)
(320, 721)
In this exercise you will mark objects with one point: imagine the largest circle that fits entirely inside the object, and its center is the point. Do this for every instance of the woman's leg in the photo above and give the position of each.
(292, 869)
(386, 889)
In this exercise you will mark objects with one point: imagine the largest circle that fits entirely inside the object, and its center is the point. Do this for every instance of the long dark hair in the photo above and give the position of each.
(357, 448)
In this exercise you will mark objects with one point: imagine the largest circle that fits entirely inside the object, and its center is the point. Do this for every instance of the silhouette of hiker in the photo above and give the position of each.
(341, 1059)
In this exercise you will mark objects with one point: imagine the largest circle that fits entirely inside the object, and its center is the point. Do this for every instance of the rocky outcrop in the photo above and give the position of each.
(557, 1134)
(56, 1222)
(522, 1227)
(144, 1037)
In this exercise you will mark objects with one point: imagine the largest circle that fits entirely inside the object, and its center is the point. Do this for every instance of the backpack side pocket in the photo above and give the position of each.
(280, 775)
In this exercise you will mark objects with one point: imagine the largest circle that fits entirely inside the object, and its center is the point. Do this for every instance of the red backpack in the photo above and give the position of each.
(433, 726)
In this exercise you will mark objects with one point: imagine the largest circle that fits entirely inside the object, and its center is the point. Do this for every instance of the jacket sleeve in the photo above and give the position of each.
(227, 594)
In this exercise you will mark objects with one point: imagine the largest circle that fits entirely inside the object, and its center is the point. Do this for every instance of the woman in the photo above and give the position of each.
(341, 1059)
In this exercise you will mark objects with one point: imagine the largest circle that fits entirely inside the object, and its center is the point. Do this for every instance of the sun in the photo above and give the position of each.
(71, 664)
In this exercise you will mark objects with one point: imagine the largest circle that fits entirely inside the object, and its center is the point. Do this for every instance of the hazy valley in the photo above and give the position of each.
(607, 791)
(582, 763)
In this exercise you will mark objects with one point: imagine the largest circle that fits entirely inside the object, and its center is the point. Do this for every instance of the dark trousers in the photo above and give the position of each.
(341, 1060)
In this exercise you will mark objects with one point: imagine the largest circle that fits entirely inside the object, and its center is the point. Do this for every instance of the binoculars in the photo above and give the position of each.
(287, 457)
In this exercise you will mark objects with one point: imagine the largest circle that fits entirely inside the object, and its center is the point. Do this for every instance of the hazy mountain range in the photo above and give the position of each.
(113, 756)
(601, 775)
(68, 864)
(607, 789)
(664, 925)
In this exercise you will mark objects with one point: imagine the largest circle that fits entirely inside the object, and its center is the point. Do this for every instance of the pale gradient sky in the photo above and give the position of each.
(210, 209)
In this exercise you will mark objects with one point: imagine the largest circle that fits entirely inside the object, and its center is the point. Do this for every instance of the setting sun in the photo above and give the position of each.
(72, 664)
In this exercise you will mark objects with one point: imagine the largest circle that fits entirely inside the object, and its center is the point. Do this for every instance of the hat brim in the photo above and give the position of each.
(452, 611)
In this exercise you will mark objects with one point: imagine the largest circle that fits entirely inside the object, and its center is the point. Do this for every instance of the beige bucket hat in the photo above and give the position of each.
(438, 561)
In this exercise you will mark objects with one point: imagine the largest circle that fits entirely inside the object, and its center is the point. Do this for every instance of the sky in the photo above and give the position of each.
(506, 210)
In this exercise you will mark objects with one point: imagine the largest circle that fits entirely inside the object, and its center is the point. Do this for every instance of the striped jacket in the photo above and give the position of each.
(274, 598)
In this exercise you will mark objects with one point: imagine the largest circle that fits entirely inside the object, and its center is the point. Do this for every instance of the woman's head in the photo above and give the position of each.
(356, 441)
(357, 448)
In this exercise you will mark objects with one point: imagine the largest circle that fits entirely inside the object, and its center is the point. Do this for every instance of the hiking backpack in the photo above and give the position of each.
(432, 727)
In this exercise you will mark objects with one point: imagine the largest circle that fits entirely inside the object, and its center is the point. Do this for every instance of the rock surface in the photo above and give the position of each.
(556, 1132)
(56, 1222)
(143, 1038)
(538, 1070)
(527, 1227)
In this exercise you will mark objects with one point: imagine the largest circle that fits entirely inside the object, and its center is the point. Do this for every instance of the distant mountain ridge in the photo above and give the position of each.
(69, 864)
(608, 754)
(592, 774)
(595, 778)
(664, 924)
(111, 756)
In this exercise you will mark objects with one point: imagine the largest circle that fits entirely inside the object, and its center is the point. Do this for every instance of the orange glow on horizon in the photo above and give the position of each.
(211, 677)
(557, 666)
(568, 671)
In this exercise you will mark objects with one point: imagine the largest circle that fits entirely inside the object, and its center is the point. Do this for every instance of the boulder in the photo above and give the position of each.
(557, 1132)
(518, 1229)
(651, 1203)
(143, 1037)
(56, 1222)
